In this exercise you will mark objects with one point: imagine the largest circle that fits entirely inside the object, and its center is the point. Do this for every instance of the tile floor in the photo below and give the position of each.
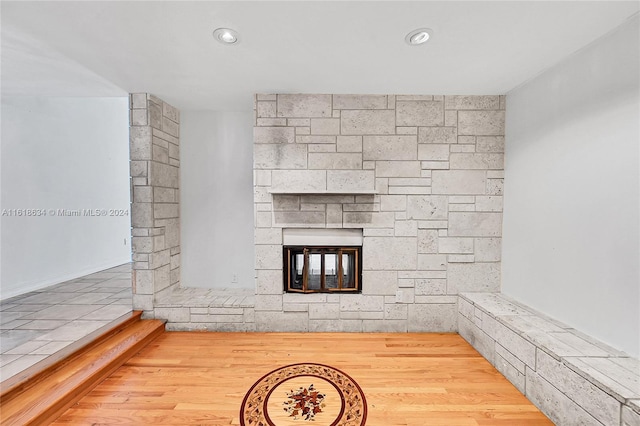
(37, 324)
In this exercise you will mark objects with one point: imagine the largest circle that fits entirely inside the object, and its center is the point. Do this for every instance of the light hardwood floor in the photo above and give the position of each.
(408, 379)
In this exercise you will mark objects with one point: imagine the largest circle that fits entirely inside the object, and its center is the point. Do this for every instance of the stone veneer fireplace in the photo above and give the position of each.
(419, 176)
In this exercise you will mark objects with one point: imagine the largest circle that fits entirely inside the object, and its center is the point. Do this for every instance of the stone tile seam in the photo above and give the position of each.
(571, 399)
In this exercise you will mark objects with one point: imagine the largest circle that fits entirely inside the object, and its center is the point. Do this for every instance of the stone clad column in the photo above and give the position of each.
(154, 138)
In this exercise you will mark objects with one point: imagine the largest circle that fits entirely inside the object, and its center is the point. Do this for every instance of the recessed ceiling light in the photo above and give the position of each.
(419, 36)
(225, 35)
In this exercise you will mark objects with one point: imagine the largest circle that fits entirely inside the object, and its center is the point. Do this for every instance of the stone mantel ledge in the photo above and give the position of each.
(498, 317)
(323, 192)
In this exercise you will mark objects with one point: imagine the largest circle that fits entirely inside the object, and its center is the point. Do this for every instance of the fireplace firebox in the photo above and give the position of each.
(322, 269)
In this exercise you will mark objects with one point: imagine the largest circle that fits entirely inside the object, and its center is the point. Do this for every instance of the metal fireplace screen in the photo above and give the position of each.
(315, 269)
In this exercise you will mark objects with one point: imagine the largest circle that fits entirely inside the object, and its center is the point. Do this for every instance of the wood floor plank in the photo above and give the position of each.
(408, 380)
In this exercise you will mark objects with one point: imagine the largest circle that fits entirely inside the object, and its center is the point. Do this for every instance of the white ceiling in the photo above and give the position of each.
(89, 48)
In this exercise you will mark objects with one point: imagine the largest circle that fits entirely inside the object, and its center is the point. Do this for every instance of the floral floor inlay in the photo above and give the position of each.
(304, 403)
(301, 394)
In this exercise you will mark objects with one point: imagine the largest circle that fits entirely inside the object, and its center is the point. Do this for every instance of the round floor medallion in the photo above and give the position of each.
(304, 393)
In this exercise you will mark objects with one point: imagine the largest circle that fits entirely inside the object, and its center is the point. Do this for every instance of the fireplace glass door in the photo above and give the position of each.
(322, 269)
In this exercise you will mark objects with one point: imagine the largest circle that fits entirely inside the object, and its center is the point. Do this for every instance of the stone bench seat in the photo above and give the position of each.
(192, 309)
(573, 378)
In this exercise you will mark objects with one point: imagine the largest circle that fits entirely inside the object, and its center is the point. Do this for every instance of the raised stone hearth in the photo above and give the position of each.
(421, 176)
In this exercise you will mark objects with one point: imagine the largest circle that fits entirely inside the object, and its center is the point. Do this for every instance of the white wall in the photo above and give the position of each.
(216, 199)
(571, 215)
(62, 153)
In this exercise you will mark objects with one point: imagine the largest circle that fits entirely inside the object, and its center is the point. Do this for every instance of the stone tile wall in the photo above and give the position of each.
(155, 199)
(571, 377)
(422, 176)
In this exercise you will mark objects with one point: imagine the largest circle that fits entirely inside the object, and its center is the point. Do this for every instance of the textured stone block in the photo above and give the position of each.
(333, 326)
(379, 282)
(302, 219)
(299, 180)
(170, 112)
(491, 203)
(629, 417)
(422, 181)
(300, 105)
(169, 127)
(324, 311)
(368, 122)
(384, 326)
(455, 245)
(268, 256)
(596, 402)
(361, 303)
(419, 113)
(403, 147)
(458, 182)
(477, 161)
(406, 228)
(140, 143)
(173, 314)
(432, 262)
(467, 224)
(269, 303)
(435, 318)
(393, 203)
(142, 215)
(325, 126)
(321, 148)
(399, 253)
(481, 123)
(166, 210)
(359, 101)
(161, 279)
(510, 358)
(363, 315)
(269, 282)
(286, 202)
(172, 232)
(279, 156)
(430, 287)
(337, 161)
(434, 165)
(350, 180)
(488, 249)
(138, 100)
(433, 152)
(315, 139)
(557, 406)
(368, 219)
(476, 338)
(520, 347)
(163, 175)
(406, 169)
(490, 144)
(349, 144)
(516, 377)
(473, 277)
(274, 135)
(427, 241)
(431, 207)
(472, 102)
(437, 135)
(271, 122)
(266, 109)
(273, 321)
(159, 134)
